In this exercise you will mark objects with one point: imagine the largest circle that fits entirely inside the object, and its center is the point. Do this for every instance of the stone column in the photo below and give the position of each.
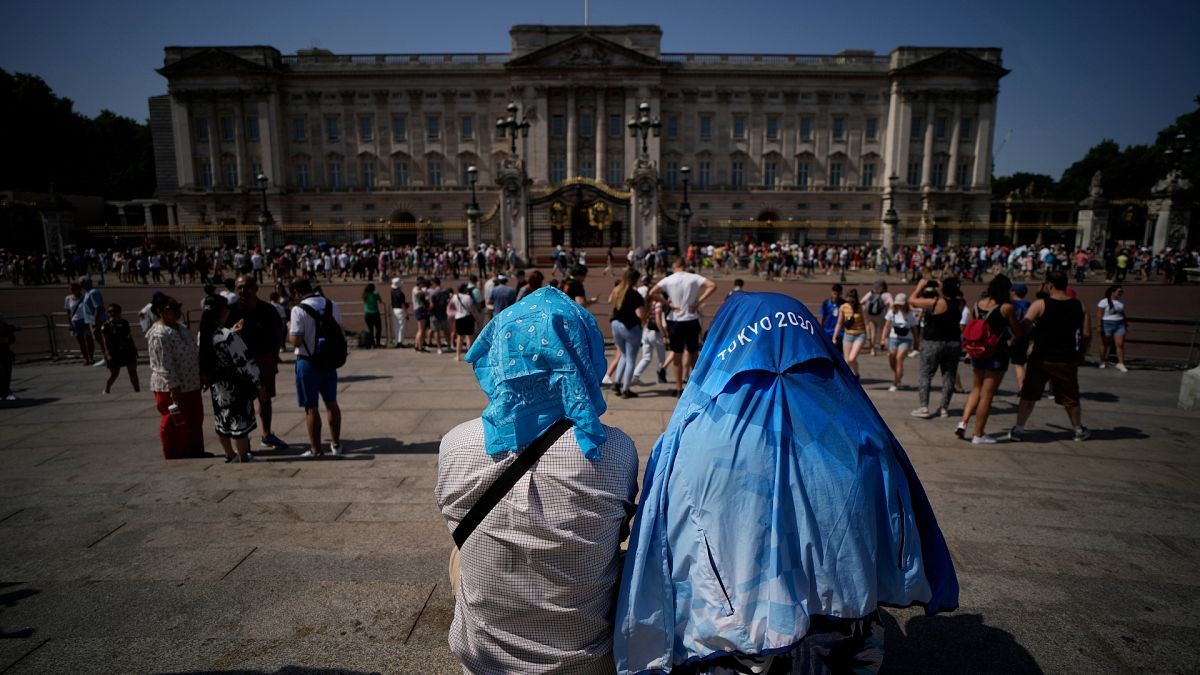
(214, 142)
(239, 142)
(601, 134)
(149, 219)
(537, 158)
(985, 120)
(272, 128)
(182, 133)
(1171, 225)
(956, 130)
(927, 150)
(572, 135)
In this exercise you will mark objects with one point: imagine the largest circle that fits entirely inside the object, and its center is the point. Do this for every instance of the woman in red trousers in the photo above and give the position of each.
(175, 381)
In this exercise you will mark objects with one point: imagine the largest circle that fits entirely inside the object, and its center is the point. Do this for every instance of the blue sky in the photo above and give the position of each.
(1081, 71)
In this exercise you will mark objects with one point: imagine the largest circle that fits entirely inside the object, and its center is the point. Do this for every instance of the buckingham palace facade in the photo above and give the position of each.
(775, 146)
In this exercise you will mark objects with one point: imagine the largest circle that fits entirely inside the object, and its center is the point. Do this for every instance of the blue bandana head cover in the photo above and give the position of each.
(540, 361)
(776, 494)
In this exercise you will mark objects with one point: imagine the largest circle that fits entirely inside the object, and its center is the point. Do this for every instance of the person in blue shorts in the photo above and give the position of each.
(314, 385)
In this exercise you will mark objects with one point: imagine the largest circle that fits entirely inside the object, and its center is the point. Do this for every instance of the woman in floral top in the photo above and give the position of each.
(175, 380)
(232, 377)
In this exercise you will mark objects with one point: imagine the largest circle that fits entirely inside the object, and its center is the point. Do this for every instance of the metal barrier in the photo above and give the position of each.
(35, 336)
(1185, 334)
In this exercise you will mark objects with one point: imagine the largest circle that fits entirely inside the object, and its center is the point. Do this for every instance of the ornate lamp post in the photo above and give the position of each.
(264, 217)
(685, 210)
(643, 124)
(890, 218)
(512, 127)
(472, 208)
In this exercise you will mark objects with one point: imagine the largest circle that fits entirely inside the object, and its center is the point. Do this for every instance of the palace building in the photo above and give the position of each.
(606, 134)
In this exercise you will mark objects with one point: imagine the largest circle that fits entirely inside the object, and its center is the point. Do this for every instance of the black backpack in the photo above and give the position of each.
(875, 305)
(331, 341)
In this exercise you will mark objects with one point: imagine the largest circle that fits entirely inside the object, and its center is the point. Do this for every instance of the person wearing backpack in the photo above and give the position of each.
(877, 302)
(320, 344)
(986, 339)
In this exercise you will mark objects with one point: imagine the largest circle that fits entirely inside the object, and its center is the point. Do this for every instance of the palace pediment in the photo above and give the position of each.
(953, 62)
(585, 51)
(212, 61)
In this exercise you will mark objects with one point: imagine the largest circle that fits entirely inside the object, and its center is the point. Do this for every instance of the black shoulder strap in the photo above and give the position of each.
(505, 482)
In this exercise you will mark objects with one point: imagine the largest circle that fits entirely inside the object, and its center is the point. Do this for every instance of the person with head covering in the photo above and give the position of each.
(899, 325)
(233, 378)
(175, 381)
(535, 581)
(777, 514)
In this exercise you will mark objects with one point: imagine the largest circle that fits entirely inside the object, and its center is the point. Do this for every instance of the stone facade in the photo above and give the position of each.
(795, 146)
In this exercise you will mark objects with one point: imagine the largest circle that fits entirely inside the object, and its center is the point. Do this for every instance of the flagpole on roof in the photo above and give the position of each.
(585, 12)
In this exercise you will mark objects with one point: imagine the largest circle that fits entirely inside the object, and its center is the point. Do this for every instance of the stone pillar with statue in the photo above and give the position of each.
(1169, 213)
(514, 206)
(643, 188)
(1092, 233)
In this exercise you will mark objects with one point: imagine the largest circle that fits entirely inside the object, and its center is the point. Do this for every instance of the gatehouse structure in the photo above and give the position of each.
(776, 146)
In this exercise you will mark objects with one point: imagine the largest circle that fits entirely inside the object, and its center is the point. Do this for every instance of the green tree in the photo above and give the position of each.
(1035, 184)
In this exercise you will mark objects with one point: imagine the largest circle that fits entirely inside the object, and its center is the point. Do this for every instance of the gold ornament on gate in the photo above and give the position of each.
(599, 215)
(558, 215)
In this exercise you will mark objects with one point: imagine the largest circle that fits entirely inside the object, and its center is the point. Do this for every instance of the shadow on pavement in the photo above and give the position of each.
(286, 670)
(391, 446)
(10, 598)
(952, 644)
(1100, 396)
(25, 403)
(362, 378)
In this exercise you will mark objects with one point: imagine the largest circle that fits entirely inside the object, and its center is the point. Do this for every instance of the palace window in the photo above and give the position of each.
(464, 176)
(435, 173)
(739, 127)
(872, 128)
(963, 173)
(366, 128)
(226, 128)
(673, 127)
(614, 126)
(806, 128)
(400, 173)
(964, 129)
(839, 128)
(466, 126)
(770, 174)
(558, 170)
(252, 127)
(204, 175)
(939, 127)
(616, 172)
(587, 126)
(737, 174)
(772, 127)
(333, 128)
(587, 168)
(399, 128)
(671, 179)
(201, 124)
(835, 174)
(706, 127)
(302, 178)
(433, 127)
(231, 174)
(368, 174)
(299, 129)
(335, 175)
(868, 174)
(914, 172)
(704, 176)
(939, 174)
(802, 171)
(918, 128)
(558, 126)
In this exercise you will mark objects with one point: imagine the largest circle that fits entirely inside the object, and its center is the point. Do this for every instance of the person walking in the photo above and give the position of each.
(315, 383)
(399, 311)
(899, 323)
(92, 313)
(878, 302)
(119, 350)
(999, 329)
(1110, 316)
(502, 296)
(462, 304)
(175, 381)
(627, 318)
(78, 328)
(420, 303)
(232, 376)
(439, 298)
(830, 311)
(258, 325)
(941, 341)
(374, 320)
(683, 292)
(1062, 337)
(652, 338)
(851, 323)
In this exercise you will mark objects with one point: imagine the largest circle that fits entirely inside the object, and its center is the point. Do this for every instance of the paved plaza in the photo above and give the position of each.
(1073, 557)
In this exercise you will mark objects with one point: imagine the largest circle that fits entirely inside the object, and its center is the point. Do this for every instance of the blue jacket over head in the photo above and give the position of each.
(776, 494)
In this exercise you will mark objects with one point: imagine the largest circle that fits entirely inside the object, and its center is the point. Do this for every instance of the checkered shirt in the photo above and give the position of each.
(539, 575)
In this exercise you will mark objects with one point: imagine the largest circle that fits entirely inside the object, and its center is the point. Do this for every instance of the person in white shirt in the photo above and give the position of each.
(898, 327)
(1110, 314)
(311, 382)
(683, 292)
(877, 303)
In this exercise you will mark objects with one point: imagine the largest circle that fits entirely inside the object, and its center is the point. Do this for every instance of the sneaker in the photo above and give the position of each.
(1082, 434)
(662, 375)
(893, 388)
(249, 458)
(99, 364)
(271, 441)
(1121, 367)
(440, 351)
(913, 355)
(1015, 434)
(638, 382)
(607, 381)
(628, 394)
(1103, 365)
(922, 413)
(942, 412)
(961, 431)
(982, 440)
(336, 449)
(307, 453)
(10, 397)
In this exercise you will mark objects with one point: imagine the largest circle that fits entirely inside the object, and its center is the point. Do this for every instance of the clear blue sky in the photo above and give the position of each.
(1082, 71)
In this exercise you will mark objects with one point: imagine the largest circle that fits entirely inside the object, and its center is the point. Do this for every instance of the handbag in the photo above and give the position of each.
(505, 482)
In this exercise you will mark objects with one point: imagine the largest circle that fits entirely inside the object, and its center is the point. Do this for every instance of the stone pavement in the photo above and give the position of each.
(1073, 557)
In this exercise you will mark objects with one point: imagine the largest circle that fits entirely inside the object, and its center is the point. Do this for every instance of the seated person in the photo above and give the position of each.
(536, 580)
(778, 513)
